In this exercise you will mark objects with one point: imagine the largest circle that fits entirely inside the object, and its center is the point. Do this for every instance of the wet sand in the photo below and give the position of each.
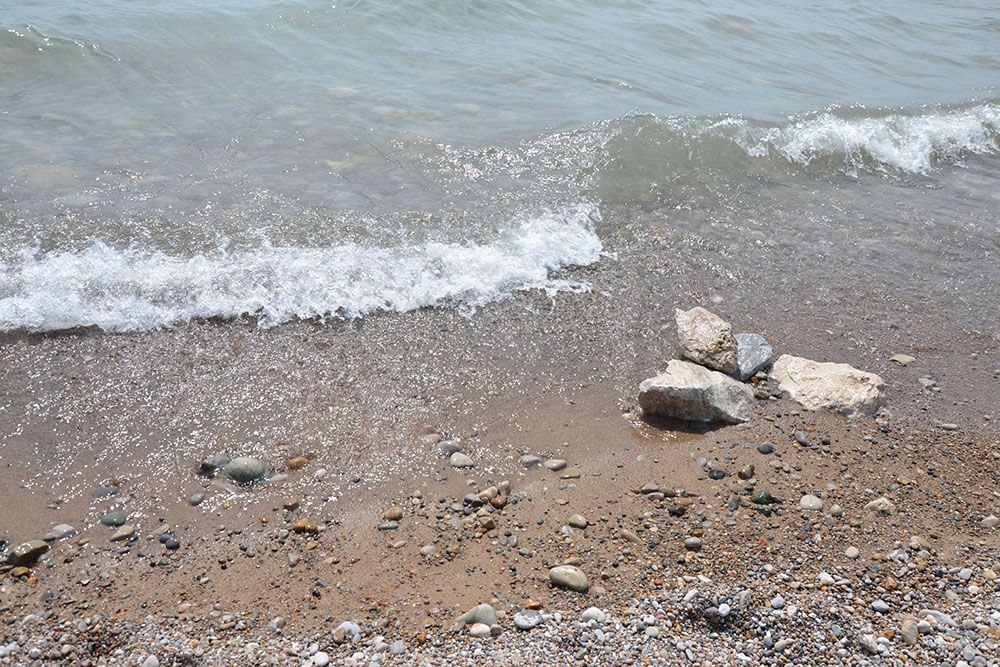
(845, 273)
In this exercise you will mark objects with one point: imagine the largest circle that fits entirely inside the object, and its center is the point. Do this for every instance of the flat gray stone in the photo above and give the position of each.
(460, 460)
(63, 530)
(526, 619)
(691, 392)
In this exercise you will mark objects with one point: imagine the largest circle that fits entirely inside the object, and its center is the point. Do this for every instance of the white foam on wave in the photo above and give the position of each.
(136, 289)
(908, 143)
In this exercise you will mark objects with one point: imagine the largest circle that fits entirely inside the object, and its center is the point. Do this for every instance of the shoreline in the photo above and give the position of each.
(552, 377)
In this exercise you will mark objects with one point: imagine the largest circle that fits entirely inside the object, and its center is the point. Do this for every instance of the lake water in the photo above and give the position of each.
(162, 162)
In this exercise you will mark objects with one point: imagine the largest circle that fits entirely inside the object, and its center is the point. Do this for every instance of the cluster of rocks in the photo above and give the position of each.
(712, 386)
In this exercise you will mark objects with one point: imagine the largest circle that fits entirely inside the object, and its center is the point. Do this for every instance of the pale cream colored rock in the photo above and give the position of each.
(706, 339)
(828, 386)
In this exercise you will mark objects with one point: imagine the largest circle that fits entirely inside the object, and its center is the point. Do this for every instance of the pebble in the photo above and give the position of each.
(992, 521)
(320, 659)
(63, 530)
(593, 614)
(398, 647)
(114, 519)
(765, 448)
(555, 465)
(151, 661)
(810, 503)
(777, 602)
(852, 552)
(481, 613)
(197, 499)
(578, 521)
(394, 513)
(348, 631)
(570, 577)
(903, 359)
(692, 544)
(881, 506)
(244, 469)
(460, 460)
(880, 606)
(801, 438)
(480, 630)
(125, 532)
(529, 461)
(526, 619)
(746, 472)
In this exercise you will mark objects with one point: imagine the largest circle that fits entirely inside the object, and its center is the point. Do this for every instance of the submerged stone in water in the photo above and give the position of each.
(244, 469)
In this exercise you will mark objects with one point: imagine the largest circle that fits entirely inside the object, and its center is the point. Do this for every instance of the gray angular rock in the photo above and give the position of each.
(244, 469)
(691, 392)
(570, 577)
(753, 353)
(828, 386)
(706, 338)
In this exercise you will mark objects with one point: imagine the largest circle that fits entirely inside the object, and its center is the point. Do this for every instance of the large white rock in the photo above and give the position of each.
(828, 386)
(706, 339)
(693, 393)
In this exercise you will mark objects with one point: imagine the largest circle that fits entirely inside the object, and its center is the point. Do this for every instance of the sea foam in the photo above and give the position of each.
(908, 143)
(138, 289)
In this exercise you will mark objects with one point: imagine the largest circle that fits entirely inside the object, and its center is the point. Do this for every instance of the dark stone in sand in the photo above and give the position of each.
(715, 473)
(765, 448)
(763, 497)
(212, 464)
(27, 553)
(801, 438)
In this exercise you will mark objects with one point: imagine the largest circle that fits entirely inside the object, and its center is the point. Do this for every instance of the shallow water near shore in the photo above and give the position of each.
(277, 161)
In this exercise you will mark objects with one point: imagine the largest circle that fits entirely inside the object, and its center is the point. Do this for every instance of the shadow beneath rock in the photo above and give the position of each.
(681, 426)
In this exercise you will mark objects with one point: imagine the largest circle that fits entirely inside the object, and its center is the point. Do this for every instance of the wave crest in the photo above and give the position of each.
(140, 289)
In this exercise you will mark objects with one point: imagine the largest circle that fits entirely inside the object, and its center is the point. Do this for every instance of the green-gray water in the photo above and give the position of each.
(167, 161)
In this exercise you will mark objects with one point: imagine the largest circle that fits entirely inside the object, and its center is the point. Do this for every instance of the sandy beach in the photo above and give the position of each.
(363, 519)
